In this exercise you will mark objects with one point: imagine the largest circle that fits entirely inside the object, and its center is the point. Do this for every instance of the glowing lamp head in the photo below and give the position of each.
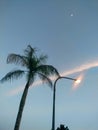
(77, 81)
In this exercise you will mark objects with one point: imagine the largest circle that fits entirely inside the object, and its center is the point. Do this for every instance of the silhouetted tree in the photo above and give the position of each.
(35, 65)
(62, 127)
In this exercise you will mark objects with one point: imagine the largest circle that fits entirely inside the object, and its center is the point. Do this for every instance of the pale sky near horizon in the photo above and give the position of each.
(67, 31)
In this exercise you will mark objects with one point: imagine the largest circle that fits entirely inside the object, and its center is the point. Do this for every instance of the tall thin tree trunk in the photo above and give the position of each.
(21, 107)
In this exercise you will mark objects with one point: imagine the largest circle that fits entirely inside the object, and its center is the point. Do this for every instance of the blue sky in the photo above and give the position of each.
(67, 31)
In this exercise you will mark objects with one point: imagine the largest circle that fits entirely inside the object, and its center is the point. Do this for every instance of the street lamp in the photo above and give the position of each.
(54, 90)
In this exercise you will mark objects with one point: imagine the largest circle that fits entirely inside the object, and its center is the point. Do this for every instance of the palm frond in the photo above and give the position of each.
(42, 59)
(17, 59)
(45, 79)
(47, 70)
(29, 51)
(12, 75)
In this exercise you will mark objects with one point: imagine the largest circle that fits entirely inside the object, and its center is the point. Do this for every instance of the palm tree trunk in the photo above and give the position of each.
(21, 107)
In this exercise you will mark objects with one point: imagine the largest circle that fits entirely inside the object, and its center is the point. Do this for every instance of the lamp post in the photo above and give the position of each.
(54, 91)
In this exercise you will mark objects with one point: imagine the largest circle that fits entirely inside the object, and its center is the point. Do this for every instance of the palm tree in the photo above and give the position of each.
(35, 66)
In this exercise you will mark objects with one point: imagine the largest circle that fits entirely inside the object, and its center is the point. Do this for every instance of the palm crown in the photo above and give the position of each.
(34, 66)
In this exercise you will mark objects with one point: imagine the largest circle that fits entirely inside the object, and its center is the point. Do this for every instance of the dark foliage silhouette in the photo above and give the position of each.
(62, 127)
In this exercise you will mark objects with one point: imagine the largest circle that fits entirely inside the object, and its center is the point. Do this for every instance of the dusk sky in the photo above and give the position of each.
(66, 31)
